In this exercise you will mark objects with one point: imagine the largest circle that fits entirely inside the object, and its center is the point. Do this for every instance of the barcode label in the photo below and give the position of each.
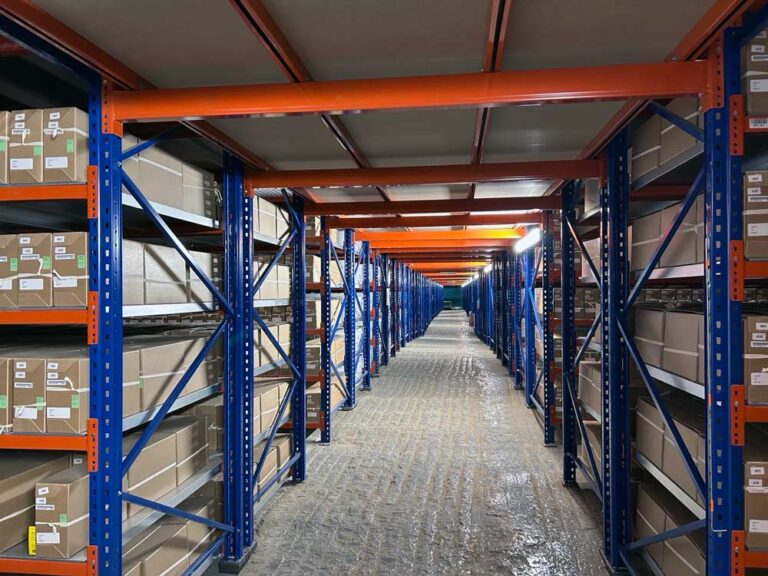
(758, 122)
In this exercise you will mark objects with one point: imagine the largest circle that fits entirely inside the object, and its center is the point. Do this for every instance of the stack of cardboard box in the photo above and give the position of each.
(686, 246)
(754, 69)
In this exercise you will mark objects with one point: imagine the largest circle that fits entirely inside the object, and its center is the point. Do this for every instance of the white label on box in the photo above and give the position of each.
(757, 470)
(26, 251)
(25, 239)
(18, 125)
(41, 500)
(57, 115)
(3, 259)
(51, 383)
(759, 58)
(28, 257)
(25, 412)
(757, 48)
(53, 125)
(758, 525)
(77, 460)
(60, 239)
(18, 116)
(65, 282)
(59, 249)
(43, 490)
(21, 364)
(758, 122)
(758, 336)
(28, 284)
(758, 379)
(52, 366)
(763, 326)
(53, 376)
(755, 483)
(54, 162)
(758, 85)
(754, 178)
(58, 413)
(755, 191)
(48, 537)
(45, 507)
(757, 230)
(6, 284)
(64, 256)
(23, 385)
(22, 163)
(20, 375)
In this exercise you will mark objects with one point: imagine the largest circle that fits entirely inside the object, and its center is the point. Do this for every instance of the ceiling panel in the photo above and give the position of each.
(547, 132)
(436, 192)
(341, 39)
(362, 194)
(289, 142)
(564, 33)
(512, 189)
(410, 138)
(172, 43)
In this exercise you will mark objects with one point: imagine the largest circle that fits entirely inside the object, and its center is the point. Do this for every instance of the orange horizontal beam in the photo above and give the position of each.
(448, 174)
(44, 442)
(428, 235)
(404, 252)
(43, 192)
(429, 206)
(42, 566)
(437, 265)
(442, 257)
(43, 316)
(577, 84)
(428, 221)
(384, 245)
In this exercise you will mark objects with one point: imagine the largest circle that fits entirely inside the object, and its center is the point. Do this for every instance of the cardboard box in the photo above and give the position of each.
(283, 443)
(682, 248)
(6, 395)
(755, 215)
(269, 469)
(690, 422)
(282, 223)
(131, 381)
(681, 344)
(756, 358)
(267, 218)
(191, 444)
(591, 196)
(213, 412)
(269, 398)
(646, 147)
(4, 121)
(651, 519)
(160, 174)
(25, 147)
(67, 385)
(29, 394)
(683, 555)
(165, 275)
(65, 145)
(19, 472)
(212, 266)
(161, 549)
(200, 194)
(589, 385)
(649, 432)
(199, 536)
(673, 140)
(61, 513)
(9, 268)
(646, 233)
(35, 287)
(595, 438)
(70, 270)
(754, 72)
(133, 273)
(649, 334)
(153, 473)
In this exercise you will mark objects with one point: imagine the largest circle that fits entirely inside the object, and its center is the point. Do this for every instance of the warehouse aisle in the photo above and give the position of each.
(439, 470)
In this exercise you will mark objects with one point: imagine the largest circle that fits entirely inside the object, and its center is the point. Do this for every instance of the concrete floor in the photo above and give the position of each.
(439, 470)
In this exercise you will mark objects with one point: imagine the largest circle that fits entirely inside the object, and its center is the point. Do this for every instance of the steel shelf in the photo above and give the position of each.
(134, 525)
(266, 303)
(205, 566)
(171, 212)
(591, 411)
(135, 420)
(693, 388)
(146, 310)
(684, 157)
(671, 487)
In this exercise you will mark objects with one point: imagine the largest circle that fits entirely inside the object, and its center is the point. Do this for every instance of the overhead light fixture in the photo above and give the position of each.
(529, 240)
(476, 276)
(488, 268)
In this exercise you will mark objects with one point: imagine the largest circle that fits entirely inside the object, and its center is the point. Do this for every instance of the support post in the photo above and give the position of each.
(326, 299)
(299, 341)
(349, 319)
(548, 326)
(366, 279)
(567, 290)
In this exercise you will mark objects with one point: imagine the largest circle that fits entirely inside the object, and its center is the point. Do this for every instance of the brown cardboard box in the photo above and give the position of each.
(755, 215)
(70, 270)
(212, 266)
(591, 195)
(269, 396)
(132, 567)
(35, 288)
(646, 232)
(690, 422)
(701, 232)
(682, 248)
(199, 192)
(4, 131)
(67, 386)
(270, 465)
(9, 268)
(165, 275)
(25, 147)
(191, 444)
(6, 395)
(683, 555)
(131, 380)
(267, 223)
(282, 222)
(199, 536)
(61, 513)
(649, 334)
(756, 358)
(756, 489)
(65, 145)
(651, 518)
(161, 549)
(29, 394)
(673, 140)
(161, 177)
(153, 473)
(681, 344)
(646, 144)
(595, 438)
(755, 74)
(283, 444)
(133, 273)
(19, 472)
(589, 385)
(213, 411)
(649, 435)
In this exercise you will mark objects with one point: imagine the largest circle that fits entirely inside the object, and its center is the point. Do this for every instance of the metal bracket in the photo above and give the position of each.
(92, 315)
(738, 414)
(92, 445)
(92, 192)
(736, 254)
(738, 545)
(736, 124)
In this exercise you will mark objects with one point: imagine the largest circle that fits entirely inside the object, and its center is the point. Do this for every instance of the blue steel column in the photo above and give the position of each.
(395, 290)
(567, 290)
(299, 343)
(617, 502)
(402, 277)
(376, 315)
(724, 349)
(547, 324)
(385, 317)
(517, 313)
(504, 311)
(106, 350)
(238, 361)
(349, 318)
(530, 328)
(365, 257)
(326, 297)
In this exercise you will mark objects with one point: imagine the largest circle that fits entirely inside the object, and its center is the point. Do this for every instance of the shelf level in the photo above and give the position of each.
(671, 487)
(38, 192)
(43, 316)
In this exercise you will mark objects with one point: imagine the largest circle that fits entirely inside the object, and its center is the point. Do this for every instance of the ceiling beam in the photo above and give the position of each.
(429, 221)
(578, 84)
(431, 235)
(406, 251)
(432, 206)
(447, 174)
(385, 245)
(442, 257)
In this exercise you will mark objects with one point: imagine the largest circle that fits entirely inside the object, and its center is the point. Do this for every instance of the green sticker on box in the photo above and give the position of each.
(70, 145)
(39, 402)
(3, 401)
(2, 145)
(46, 262)
(63, 519)
(81, 261)
(141, 382)
(14, 264)
(37, 150)
(75, 401)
